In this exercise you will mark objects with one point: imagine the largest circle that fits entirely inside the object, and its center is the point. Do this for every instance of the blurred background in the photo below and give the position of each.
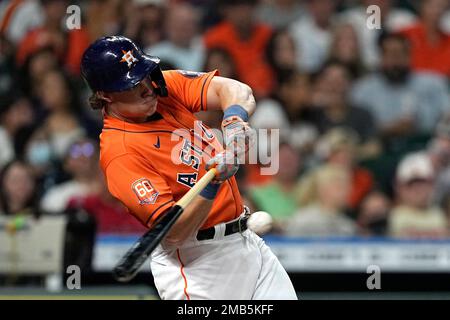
(364, 119)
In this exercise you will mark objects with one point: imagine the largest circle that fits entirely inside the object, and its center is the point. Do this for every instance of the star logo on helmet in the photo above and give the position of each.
(128, 58)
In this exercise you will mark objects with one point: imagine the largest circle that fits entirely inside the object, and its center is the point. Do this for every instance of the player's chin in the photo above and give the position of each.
(149, 106)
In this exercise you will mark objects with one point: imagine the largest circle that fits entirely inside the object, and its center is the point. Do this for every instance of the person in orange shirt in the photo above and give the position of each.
(152, 151)
(246, 41)
(430, 45)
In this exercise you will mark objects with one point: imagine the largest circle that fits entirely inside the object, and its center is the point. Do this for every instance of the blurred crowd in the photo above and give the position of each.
(363, 114)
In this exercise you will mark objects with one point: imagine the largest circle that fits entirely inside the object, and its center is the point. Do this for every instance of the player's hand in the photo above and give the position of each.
(226, 165)
(238, 136)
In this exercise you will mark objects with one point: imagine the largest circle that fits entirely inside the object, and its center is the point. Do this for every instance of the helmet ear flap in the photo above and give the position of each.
(157, 77)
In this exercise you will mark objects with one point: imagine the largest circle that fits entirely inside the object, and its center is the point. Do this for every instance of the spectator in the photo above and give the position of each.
(445, 21)
(15, 113)
(59, 103)
(280, 13)
(277, 197)
(246, 41)
(323, 213)
(281, 52)
(8, 70)
(19, 17)
(32, 143)
(331, 93)
(403, 102)
(414, 216)
(220, 59)
(268, 116)
(290, 110)
(183, 47)
(35, 67)
(312, 35)
(373, 214)
(345, 49)
(18, 194)
(143, 21)
(81, 162)
(430, 44)
(109, 214)
(68, 45)
(392, 20)
(339, 147)
(439, 153)
(294, 96)
(103, 17)
(447, 210)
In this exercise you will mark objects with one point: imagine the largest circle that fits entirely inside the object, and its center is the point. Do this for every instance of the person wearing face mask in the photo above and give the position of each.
(32, 144)
(39, 153)
(403, 102)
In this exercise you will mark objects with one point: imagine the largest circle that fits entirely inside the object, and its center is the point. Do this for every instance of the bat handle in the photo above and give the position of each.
(197, 188)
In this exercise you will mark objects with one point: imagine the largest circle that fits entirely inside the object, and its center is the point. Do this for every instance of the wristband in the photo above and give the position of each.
(236, 110)
(210, 191)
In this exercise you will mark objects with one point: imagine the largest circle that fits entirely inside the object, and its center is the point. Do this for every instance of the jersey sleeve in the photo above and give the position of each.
(189, 88)
(139, 187)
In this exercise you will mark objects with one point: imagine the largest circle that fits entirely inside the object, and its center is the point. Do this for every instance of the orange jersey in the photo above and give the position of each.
(248, 55)
(149, 166)
(427, 54)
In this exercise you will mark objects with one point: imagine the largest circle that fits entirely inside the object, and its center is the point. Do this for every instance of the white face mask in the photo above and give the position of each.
(39, 153)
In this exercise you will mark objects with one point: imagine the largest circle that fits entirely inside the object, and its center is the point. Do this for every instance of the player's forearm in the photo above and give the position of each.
(237, 93)
(190, 221)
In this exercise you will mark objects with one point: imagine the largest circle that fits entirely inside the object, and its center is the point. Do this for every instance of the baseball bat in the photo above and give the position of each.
(129, 264)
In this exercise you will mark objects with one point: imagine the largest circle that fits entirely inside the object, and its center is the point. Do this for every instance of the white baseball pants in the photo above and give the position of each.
(238, 266)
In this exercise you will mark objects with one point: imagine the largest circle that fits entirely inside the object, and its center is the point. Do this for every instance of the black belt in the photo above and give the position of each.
(230, 228)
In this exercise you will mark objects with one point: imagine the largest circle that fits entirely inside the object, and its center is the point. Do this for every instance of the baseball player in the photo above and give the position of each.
(209, 253)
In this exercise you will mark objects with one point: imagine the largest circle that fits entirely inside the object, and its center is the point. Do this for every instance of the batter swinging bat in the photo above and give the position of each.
(130, 263)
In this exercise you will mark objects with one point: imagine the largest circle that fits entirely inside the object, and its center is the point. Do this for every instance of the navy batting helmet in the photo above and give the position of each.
(115, 63)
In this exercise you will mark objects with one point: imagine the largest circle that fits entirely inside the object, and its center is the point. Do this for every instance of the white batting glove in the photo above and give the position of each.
(226, 165)
(238, 135)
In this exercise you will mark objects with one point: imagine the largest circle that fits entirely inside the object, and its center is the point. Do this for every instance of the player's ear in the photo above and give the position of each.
(98, 100)
(104, 96)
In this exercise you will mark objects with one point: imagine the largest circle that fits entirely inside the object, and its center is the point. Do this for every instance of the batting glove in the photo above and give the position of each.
(238, 135)
(226, 165)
